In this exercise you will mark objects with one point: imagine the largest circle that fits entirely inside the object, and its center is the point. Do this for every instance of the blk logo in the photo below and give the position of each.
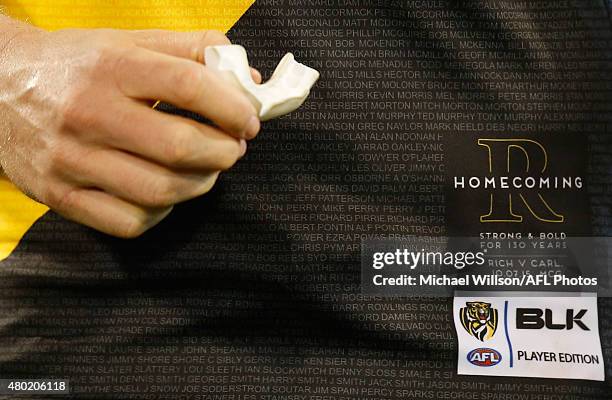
(506, 157)
(536, 318)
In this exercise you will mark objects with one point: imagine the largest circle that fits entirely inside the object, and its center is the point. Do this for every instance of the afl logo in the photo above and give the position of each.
(484, 357)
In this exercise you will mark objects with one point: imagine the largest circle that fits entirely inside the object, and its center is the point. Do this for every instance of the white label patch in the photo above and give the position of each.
(531, 336)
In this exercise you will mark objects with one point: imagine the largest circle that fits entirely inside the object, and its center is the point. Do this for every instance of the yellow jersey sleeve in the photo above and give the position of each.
(129, 14)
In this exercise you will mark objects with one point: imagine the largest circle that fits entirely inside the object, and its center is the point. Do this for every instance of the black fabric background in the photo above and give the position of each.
(224, 277)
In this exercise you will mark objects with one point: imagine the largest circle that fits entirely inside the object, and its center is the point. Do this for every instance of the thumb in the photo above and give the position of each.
(189, 45)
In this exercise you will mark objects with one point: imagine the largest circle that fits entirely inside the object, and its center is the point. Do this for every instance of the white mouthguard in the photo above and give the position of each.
(285, 91)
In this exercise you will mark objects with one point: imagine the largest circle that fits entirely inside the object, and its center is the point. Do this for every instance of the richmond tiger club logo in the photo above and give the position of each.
(479, 319)
(517, 174)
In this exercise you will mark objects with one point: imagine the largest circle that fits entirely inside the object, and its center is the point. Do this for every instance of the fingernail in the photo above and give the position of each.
(252, 127)
(243, 147)
(256, 75)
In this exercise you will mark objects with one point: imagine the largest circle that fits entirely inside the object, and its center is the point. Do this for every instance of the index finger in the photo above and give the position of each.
(189, 45)
(145, 74)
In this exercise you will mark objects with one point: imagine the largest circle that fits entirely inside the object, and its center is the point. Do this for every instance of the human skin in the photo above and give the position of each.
(77, 131)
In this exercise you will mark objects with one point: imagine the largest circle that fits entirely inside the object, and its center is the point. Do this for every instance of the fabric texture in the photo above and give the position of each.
(254, 289)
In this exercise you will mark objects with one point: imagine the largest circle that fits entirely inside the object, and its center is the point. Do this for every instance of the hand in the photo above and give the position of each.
(77, 131)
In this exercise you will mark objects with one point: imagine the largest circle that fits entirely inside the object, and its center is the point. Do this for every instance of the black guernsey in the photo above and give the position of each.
(253, 290)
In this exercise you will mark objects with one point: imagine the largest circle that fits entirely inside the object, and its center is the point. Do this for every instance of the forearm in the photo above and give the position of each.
(11, 28)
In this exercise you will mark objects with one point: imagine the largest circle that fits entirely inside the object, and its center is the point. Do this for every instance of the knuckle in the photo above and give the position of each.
(111, 55)
(187, 84)
(133, 226)
(244, 112)
(224, 160)
(96, 66)
(178, 150)
(141, 221)
(57, 158)
(214, 37)
(209, 182)
(74, 112)
(59, 198)
(163, 193)
(67, 159)
(105, 58)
